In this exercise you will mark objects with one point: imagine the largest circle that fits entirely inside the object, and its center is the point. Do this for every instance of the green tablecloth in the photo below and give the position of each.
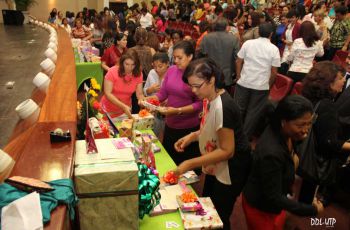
(86, 70)
(164, 163)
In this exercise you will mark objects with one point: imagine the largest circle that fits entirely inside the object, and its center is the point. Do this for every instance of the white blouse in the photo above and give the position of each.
(303, 56)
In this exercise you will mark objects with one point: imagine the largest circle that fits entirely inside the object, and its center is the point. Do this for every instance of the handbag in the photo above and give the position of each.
(307, 150)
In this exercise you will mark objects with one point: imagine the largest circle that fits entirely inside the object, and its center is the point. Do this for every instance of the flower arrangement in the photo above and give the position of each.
(90, 107)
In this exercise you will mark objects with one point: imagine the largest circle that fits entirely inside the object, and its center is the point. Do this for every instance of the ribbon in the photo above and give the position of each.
(149, 195)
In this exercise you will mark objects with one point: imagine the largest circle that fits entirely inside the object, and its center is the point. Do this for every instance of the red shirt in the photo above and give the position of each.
(111, 56)
(123, 88)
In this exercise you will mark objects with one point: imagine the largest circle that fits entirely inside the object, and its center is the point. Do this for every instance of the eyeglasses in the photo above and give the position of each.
(196, 86)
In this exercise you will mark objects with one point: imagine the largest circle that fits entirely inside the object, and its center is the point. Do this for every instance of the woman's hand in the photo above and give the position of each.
(318, 205)
(169, 111)
(182, 143)
(153, 88)
(127, 111)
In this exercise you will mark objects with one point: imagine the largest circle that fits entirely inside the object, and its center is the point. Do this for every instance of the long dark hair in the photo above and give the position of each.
(204, 68)
(308, 33)
(130, 54)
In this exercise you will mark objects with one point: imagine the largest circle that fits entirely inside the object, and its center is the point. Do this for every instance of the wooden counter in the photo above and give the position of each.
(30, 145)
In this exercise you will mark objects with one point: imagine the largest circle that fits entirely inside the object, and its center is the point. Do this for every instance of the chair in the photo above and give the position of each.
(297, 88)
(281, 87)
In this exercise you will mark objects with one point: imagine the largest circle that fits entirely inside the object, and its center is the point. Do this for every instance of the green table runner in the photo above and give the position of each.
(164, 163)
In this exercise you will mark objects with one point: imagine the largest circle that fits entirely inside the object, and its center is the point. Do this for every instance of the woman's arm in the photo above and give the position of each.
(223, 153)
(139, 92)
(108, 88)
(104, 66)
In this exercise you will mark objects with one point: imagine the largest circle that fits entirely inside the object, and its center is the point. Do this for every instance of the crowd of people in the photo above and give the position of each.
(214, 91)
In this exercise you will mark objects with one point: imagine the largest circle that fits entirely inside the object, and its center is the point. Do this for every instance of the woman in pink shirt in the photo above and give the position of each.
(120, 83)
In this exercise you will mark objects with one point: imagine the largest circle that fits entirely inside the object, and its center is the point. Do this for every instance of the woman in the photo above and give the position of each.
(321, 27)
(154, 82)
(80, 32)
(120, 83)
(264, 197)
(97, 33)
(112, 55)
(225, 151)
(303, 51)
(52, 16)
(144, 52)
(66, 26)
(280, 30)
(160, 23)
(289, 35)
(154, 9)
(321, 85)
(182, 113)
(59, 18)
(253, 24)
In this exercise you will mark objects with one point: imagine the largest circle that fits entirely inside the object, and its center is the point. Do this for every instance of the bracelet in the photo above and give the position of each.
(179, 111)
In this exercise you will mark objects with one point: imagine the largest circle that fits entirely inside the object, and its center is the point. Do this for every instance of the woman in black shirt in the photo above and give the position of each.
(322, 84)
(225, 152)
(274, 162)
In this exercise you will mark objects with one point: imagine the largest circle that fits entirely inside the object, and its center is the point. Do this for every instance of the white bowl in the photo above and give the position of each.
(50, 53)
(5, 161)
(42, 81)
(48, 66)
(27, 108)
(41, 23)
(53, 46)
(31, 21)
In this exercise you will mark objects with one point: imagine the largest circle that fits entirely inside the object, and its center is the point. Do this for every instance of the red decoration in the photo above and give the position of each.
(153, 101)
(170, 178)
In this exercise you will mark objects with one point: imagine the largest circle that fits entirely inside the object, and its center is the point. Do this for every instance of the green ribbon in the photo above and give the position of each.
(149, 195)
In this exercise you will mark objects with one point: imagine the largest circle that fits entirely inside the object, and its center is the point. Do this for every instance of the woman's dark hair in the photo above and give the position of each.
(130, 54)
(292, 13)
(316, 84)
(204, 68)
(118, 37)
(290, 108)
(141, 36)
(144, 10)
(186, 46)
(308, 33)
(255, 19)
(300, 9)
(63, 20)
(161, 56)
(67, 14)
